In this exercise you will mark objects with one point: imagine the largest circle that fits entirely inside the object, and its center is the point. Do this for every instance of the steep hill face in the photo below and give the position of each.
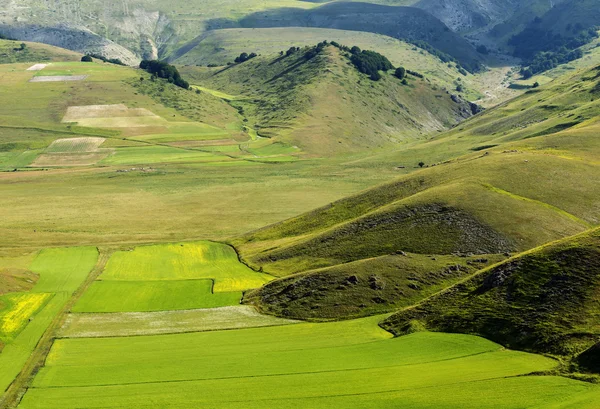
(325, 106)
(465, 15)
(78, 39)
(566, 24)
(543, 301)
(407, 23)
(529, 179)
(150, 29)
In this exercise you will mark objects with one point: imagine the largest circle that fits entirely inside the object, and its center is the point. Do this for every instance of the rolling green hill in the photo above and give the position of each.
(324, 106)
(529, 179)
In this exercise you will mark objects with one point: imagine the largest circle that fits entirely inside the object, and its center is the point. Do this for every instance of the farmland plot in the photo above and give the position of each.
(343, 364)
(165, 322)
(140, 296)
(184, 261)
(61, 271)
(72, 152)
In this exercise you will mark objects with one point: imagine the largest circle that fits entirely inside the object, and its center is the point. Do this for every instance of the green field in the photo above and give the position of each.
(111, 296)
(184, 261)
(61, 272)
(353, 362)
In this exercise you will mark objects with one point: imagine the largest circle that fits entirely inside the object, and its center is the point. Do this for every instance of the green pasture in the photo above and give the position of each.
(155, 154)
(184, 261)
(118, 296)
(352, 364)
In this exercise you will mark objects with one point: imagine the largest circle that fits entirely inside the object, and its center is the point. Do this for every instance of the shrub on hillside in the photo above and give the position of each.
(400, 73)
(415, 74)
(86, 58)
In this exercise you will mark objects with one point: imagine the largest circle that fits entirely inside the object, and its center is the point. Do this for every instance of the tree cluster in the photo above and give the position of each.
(543, 49)
(164, 70)
(291, 51)
(548, 60)
(116, 61)
(370, 62)
(243, 57)
(314, 51)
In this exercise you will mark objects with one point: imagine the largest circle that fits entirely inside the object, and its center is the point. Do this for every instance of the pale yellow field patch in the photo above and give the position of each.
(69, 159)
(73, 145)
(77, 113)
(123, 122)
(58, 78)
(37, 67)
(165, 322)
(83, 151)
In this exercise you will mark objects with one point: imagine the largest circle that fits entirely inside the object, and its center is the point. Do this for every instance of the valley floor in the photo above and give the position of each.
(251, 361)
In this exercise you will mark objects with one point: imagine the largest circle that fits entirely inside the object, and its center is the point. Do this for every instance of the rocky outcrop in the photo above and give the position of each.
(466, 15)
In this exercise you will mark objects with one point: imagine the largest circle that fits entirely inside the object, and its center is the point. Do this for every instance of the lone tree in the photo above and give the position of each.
(87, 58)
(421, 164)
(400, 73)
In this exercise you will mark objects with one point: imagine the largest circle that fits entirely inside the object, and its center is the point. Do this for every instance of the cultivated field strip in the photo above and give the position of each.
(86, 325)
(327, 364)
(37, 67)
(142, 296)
(75, 145)
(58, 78)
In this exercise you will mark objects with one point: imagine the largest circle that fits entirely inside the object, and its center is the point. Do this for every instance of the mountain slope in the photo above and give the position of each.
(530, 178)
(465, 15)
(542, 301)
(325, 106)
(406, 23)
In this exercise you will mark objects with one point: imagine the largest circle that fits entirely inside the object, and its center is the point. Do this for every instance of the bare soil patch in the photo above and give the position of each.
(37, 67)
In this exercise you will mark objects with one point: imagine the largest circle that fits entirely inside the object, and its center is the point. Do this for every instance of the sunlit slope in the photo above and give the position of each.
(325, 106)
(223, 46)
(530, 177)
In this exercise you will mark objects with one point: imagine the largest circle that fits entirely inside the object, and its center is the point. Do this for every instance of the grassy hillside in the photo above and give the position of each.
(149, 28)
(527, 180)
(13, 52)
(223, 46)
(324, 105)
(407, 23)
(543, 301)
